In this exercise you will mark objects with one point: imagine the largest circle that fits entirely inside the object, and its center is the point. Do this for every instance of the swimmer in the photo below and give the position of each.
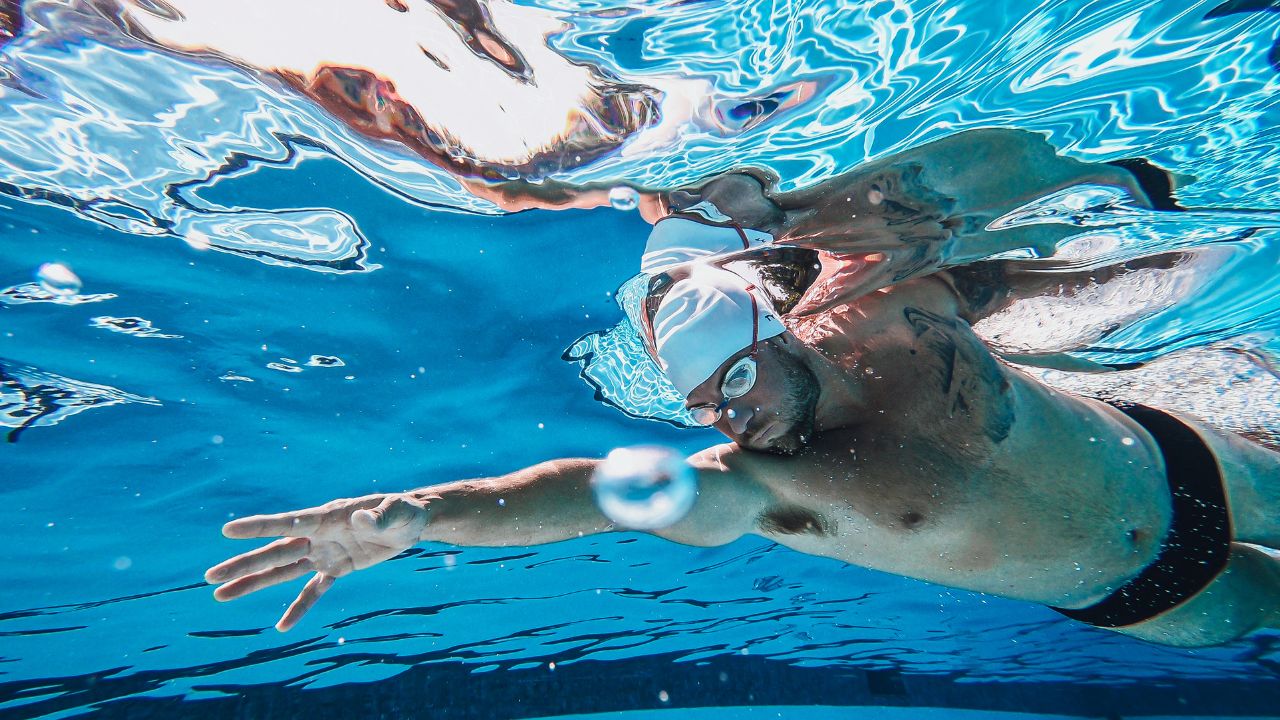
(879, 431)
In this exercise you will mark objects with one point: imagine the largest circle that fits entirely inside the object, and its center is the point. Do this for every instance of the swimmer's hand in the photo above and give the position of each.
(331, 540)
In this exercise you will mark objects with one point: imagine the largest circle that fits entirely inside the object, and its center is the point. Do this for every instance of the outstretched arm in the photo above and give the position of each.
(519, 195)
(541, 504)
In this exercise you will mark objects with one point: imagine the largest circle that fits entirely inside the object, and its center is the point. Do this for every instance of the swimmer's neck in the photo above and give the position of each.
(841, 401)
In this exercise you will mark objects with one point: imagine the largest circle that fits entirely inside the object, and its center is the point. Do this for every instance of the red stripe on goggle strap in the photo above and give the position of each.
(755, 321)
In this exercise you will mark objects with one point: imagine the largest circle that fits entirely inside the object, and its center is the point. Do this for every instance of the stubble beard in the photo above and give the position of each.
(798, 411)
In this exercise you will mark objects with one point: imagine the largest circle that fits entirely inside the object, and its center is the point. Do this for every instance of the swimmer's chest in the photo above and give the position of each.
(914, 509)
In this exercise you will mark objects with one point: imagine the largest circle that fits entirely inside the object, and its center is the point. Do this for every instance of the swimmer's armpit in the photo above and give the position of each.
(794, 520)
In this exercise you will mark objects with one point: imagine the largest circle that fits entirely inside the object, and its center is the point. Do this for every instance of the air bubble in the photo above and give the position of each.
(645, 487)
(58, 279)
(624, 198)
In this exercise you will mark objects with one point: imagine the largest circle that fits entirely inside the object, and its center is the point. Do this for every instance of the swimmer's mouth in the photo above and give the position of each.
(765, 435)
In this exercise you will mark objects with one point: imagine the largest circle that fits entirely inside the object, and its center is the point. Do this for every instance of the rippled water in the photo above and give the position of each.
(293, 290)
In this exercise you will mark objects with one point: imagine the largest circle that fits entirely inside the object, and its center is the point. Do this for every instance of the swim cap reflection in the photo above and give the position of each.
(706, 319)
(683, 238)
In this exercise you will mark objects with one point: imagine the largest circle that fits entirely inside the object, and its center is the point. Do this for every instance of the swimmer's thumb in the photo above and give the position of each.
(392, 511)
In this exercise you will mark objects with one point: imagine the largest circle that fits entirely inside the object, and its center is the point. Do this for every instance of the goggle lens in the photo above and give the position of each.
(705, 415)
(740, 379)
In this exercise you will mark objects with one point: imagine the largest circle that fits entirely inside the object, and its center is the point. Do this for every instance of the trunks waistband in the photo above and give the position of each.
(1198, 544)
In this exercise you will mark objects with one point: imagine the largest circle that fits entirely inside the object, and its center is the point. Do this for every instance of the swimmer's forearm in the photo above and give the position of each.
(553, 501)
(518, 195)
(545, 503)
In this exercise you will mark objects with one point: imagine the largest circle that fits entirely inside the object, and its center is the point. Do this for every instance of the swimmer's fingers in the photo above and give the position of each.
(316, 586)
(265, 579)
(279, 553)
(291, 524)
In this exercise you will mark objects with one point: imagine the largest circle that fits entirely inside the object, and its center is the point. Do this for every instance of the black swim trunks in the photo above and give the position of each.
(1198, 543)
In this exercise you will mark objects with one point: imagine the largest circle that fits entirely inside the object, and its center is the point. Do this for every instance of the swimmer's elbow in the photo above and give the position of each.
(729, 499)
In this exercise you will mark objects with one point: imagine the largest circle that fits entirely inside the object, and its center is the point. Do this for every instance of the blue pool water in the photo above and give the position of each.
(329, 314)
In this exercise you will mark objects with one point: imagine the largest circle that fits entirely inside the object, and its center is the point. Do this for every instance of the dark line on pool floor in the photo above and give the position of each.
(451, 691)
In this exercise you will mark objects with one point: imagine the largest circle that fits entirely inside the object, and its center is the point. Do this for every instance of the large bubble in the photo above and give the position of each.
(624, 198)
(58, 279)
(645, 487)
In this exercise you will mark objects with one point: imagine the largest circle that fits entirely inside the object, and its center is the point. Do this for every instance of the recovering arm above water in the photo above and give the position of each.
(545, 503)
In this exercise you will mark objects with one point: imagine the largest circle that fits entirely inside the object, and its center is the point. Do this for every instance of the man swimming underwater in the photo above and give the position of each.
(882, 432)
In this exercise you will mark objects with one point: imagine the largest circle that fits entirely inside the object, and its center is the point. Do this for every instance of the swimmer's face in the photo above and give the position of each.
(777, 414)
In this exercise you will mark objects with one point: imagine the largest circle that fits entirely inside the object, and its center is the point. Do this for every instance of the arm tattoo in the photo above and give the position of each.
(972, 383)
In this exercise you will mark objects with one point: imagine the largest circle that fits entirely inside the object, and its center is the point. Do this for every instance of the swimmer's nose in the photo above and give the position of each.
(738, 419)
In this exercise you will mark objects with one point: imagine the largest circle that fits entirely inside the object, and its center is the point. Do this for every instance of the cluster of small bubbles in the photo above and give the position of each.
(58, 279)
(284, 366)
(644, 488)
(624, 198)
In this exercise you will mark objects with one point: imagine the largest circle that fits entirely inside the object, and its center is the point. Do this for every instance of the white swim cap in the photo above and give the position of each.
(706, 319)
(675, 240)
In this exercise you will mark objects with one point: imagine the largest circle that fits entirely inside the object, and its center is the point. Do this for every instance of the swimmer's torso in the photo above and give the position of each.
(959, 470)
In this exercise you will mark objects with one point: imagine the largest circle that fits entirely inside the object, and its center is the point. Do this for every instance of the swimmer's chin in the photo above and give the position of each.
(787, 445)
